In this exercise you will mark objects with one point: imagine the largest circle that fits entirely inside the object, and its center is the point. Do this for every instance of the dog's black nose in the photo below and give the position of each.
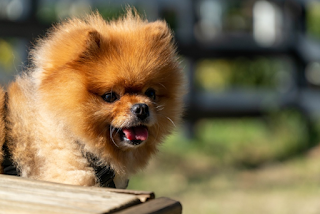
(141, 110)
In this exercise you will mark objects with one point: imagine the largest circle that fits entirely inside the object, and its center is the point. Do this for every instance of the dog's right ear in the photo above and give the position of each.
(92, 45)
(93, 40)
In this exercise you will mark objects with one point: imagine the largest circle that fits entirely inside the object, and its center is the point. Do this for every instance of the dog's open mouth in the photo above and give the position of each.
(134, 135)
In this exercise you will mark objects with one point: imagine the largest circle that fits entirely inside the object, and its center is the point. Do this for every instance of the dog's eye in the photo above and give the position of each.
(151, 93)
(110, 97)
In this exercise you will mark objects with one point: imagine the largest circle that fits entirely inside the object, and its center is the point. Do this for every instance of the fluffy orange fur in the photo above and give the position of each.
(56, 113)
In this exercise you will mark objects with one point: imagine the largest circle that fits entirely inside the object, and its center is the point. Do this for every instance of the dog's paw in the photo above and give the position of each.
(80, 177)
(73, 177)
(121, 182)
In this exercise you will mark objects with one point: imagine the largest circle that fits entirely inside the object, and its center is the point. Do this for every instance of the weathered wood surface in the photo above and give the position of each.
(19, 195)
(157, 206)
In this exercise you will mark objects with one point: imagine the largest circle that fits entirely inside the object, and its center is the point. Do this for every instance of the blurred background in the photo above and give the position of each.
(249, 141)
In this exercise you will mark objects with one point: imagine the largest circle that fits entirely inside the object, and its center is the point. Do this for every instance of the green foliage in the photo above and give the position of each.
(215, 75)
(313, 19)
(6, 55)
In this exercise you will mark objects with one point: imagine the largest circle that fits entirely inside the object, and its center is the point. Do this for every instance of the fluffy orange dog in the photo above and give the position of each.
(97, 101)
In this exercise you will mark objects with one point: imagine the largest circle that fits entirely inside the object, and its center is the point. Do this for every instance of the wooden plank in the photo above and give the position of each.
(61, 196)
(27, 208)
(156, 206)
(142, 195)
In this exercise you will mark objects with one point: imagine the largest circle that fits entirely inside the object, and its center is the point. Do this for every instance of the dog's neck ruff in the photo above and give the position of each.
(104, 174)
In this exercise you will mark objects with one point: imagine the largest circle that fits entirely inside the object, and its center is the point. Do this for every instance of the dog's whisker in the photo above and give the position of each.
(111, 136)
(162, 85)
(169, 119)
(159, 107)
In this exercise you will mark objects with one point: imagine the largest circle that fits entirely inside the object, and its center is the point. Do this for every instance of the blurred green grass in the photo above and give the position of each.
(244, 165)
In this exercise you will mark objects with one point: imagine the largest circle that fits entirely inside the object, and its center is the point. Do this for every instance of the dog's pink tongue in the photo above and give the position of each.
(136, 133)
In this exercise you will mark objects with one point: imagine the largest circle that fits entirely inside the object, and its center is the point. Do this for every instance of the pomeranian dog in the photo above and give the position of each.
(96, 102)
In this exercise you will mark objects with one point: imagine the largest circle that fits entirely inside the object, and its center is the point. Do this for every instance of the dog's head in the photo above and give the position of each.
(116, 85)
